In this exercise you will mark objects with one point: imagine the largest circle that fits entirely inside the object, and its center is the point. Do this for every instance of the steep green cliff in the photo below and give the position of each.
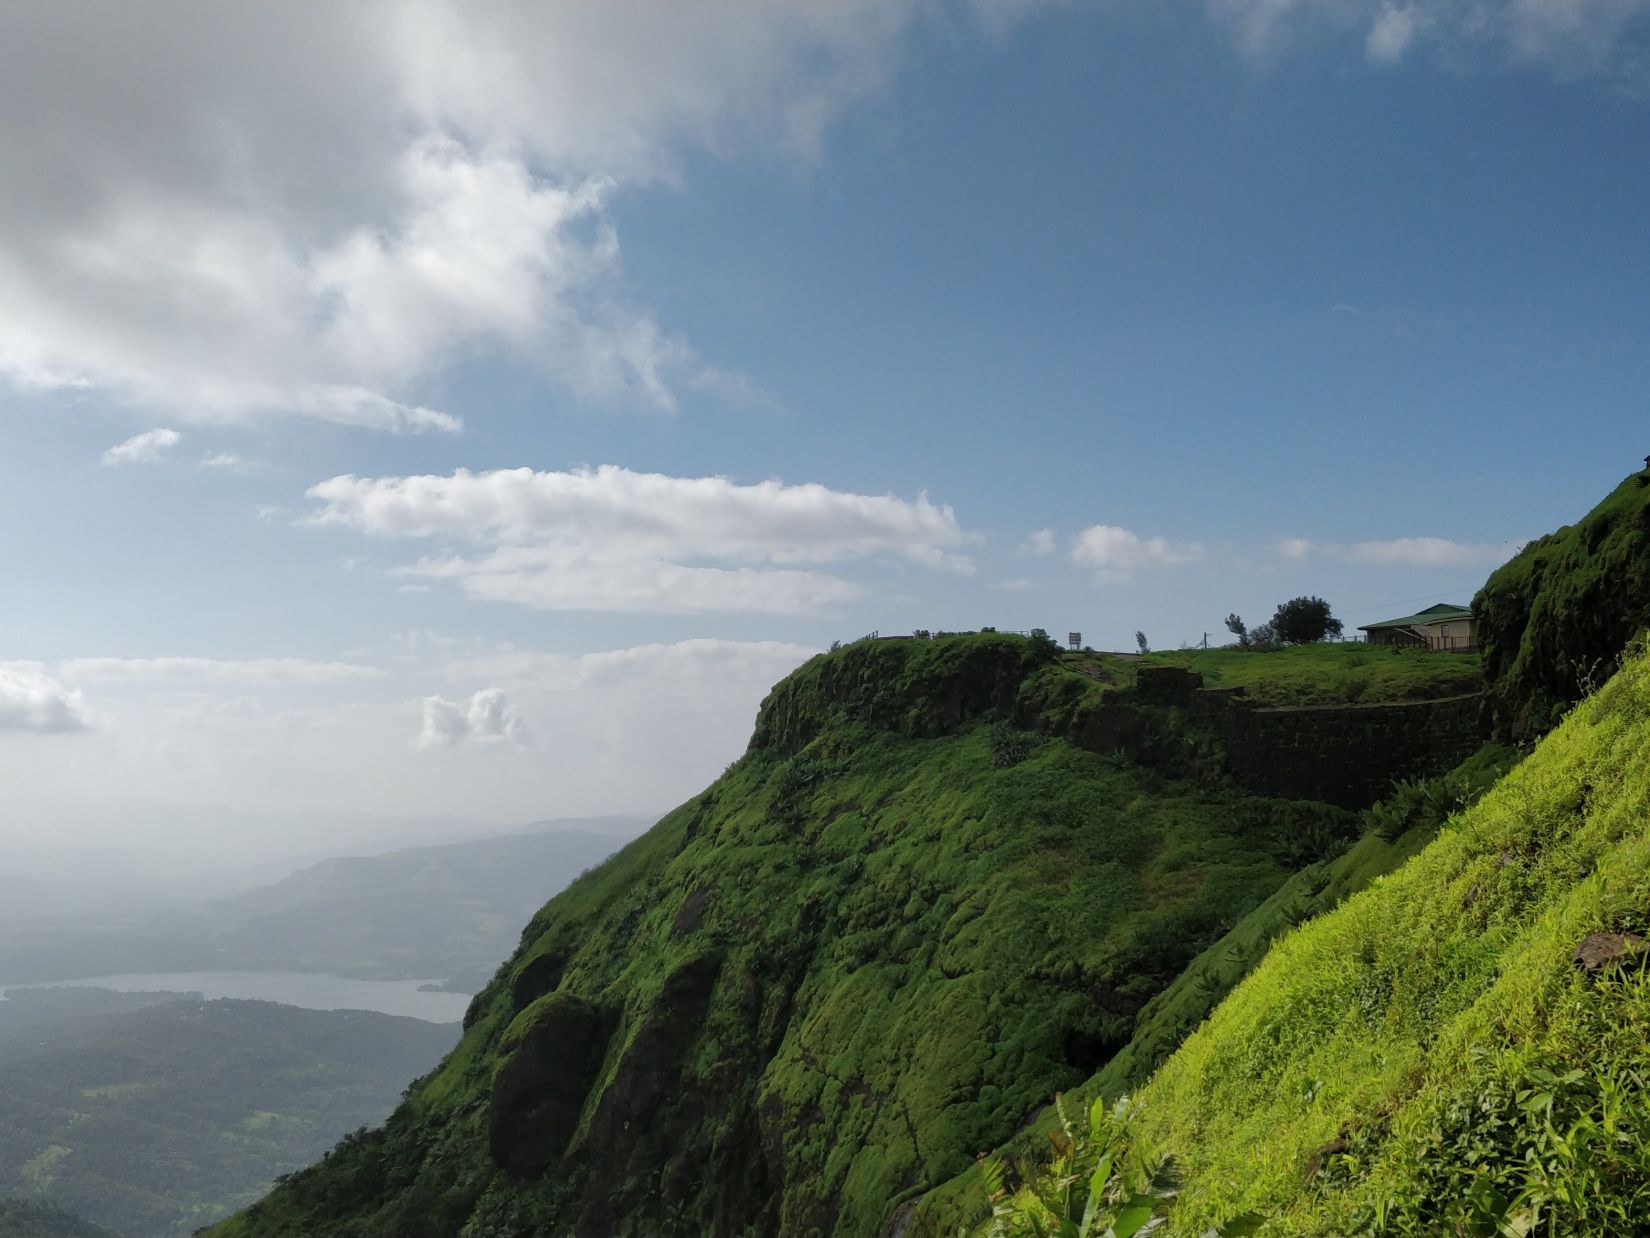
(1460, 1048)
(1553, 622)
(874, 947)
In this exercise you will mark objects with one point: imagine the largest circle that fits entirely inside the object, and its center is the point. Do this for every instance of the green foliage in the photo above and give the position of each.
(1331, 673)
(1087, 1189)
(1169, 1017)
(1471, 1079)
(1304, 621)
(1553, 622)
(1430, 801)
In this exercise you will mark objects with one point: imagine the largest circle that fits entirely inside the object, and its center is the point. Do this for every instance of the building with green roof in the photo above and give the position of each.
(1446, 628)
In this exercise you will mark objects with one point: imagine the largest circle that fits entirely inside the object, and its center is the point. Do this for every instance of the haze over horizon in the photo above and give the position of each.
(419, 409)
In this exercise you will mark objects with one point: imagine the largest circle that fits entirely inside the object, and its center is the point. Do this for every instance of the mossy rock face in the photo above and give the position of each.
(553, 1052)
(1553, 622)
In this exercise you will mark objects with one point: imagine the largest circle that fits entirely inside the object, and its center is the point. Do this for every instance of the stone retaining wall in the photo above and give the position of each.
(1342, 754)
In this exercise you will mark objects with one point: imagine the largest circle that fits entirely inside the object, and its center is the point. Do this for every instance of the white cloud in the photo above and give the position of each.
(235, 210)
(1406, 552)
(228, 461)
(688, 661)
(612, 539)
(1018, 584)
(31, 700)
(1394, 29)
(142, 448)
(1568, 38)
(486, 719)
(214, 671)
(1432, 552)
(1037, 545)
(1115, 554)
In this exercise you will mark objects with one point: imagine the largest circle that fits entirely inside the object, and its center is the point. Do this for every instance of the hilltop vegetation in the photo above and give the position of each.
(1553, 622)
(159, 1120)
(1332, 674)
(874, 946)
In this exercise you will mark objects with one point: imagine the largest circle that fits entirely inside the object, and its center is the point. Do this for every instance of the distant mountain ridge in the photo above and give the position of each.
(450, 912)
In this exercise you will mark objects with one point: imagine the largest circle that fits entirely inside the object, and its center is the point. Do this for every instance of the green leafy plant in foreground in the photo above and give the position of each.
(1089, 1189)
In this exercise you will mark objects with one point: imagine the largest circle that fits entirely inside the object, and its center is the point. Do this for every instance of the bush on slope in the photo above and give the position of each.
(1428, 1058)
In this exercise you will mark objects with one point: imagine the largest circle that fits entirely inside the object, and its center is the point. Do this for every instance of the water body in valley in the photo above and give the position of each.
(311, 990)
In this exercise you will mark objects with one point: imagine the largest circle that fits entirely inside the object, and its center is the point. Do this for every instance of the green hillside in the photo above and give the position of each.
(874, 946)
(27, 1218)
(1552, 623)
(1430, 1058)
(159, 1120)
(1395, 831)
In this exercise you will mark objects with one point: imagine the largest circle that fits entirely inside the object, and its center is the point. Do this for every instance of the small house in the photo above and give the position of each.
(1446, 628)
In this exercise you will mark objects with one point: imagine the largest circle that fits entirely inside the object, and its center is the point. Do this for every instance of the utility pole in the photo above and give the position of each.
(1205, 640)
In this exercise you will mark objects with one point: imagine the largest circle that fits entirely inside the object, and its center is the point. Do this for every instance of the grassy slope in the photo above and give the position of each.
(1388, 1056)
(1555, 619)
(911, 948)
(1332, 674)
(1169, 1017)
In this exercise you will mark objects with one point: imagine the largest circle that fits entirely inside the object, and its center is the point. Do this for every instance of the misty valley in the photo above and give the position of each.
(153, 1102)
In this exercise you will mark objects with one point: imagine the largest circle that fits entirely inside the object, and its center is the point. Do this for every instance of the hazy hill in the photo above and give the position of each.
(157, 1121)
(872, 948)
(451, 912)
(29, 1218)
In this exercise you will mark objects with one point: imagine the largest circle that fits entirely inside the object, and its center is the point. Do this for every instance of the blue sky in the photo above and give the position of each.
(794, 321)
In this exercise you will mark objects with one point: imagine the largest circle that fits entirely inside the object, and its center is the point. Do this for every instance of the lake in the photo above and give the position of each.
(311, 990)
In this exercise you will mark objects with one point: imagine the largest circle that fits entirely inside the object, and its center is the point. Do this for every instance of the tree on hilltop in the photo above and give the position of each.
(1304, 620)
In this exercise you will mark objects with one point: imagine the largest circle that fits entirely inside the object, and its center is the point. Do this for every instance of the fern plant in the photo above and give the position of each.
(1088, 1189)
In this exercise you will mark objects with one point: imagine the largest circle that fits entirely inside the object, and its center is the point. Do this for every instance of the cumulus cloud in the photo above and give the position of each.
(1406, 552)
(213, 671)
(1569, 38)
(612, 539)
(142, 448)
(486, 719)
(228, 461)
(1115, 554)
(1391, 34)
(31, 700)
(1432, 552)
(687, 661)
(1038, 545)
(237, 210)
